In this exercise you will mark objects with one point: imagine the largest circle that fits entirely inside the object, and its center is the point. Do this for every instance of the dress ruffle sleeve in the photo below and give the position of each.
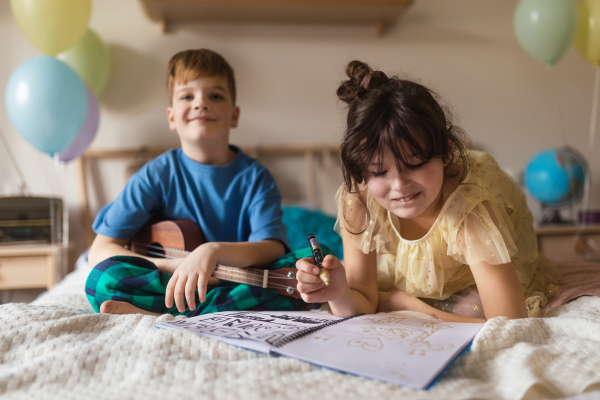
(363, 220)
(478, 229)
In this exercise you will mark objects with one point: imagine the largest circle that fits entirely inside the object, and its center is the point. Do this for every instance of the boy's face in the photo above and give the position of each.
(202, 109)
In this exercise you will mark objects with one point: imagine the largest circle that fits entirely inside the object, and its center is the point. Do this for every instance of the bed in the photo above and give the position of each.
(57, 348)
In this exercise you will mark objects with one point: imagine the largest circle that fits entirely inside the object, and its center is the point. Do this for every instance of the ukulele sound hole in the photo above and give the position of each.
(156, 250)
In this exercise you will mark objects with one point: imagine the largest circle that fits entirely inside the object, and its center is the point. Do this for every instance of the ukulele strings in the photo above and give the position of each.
(257, 277)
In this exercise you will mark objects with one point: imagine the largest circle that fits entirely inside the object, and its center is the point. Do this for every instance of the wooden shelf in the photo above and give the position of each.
(379, 13)
(563, 230)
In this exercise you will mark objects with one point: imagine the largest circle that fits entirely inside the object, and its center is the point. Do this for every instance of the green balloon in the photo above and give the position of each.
(546, 28)
(90, 58)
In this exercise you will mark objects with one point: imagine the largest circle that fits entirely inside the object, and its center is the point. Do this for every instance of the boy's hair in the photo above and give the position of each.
(400, 115)
(190, 65)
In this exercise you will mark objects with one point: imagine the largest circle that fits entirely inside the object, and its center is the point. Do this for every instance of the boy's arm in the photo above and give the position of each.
(196, 269)
(105, 247)
(246, 254)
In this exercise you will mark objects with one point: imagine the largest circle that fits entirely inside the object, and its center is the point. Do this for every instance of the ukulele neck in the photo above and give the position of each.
(171, 252)
(249, 276)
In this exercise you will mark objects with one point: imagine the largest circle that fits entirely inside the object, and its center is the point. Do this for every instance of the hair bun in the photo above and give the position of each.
(362, 78)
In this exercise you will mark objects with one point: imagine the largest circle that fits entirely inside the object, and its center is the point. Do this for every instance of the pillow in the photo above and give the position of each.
(300, 222)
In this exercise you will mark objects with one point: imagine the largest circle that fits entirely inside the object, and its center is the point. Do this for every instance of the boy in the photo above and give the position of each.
(232, 197)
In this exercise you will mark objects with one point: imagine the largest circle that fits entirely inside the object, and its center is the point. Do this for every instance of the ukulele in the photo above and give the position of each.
(176, 239)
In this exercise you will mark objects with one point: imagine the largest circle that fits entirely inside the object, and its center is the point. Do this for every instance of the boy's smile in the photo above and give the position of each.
(202, 113)
(202, 118)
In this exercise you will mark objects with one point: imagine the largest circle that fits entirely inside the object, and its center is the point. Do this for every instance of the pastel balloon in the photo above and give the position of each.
(90, 58)
(545, 28)
(587, 38)
(47, 103)
(52, 25)
(87, 133)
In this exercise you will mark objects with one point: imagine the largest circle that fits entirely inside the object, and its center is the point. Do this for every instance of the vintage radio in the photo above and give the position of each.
(31, 219)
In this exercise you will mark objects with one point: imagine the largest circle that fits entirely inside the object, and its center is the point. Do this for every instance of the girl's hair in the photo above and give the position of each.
(396, 114)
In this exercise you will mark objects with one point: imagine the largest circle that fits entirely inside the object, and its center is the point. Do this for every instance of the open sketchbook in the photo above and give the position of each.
(388, 347)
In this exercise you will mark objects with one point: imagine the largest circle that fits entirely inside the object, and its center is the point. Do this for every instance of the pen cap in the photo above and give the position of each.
(316, 249)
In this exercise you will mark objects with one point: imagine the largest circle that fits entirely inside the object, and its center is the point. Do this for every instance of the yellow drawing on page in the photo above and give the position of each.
(372, 338)
(369, 344)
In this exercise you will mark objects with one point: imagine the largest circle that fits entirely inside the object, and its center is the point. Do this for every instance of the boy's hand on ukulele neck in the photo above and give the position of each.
(193, 273)
(167, 264)
(311, 286)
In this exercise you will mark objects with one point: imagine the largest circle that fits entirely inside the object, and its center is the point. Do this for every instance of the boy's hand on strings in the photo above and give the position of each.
(193, 273)
(311, 286)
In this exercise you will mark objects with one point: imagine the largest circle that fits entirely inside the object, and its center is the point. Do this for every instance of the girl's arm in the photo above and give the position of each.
(500, 290)
(353, 286)
(396, 300)
(498, 285)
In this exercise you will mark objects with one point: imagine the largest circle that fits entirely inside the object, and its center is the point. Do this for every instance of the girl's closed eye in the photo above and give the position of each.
(378, 173)
(186, 97)
(412, 167)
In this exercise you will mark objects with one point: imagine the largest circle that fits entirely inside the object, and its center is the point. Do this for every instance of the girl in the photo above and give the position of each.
(426, 225)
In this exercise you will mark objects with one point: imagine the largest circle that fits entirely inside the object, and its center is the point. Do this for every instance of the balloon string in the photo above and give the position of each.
(594, 114)
(592, 138)
(14, 162)
(591, 250)
(561, 120)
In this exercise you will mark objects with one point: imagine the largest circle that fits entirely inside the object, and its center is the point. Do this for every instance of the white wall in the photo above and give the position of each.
(511, 105)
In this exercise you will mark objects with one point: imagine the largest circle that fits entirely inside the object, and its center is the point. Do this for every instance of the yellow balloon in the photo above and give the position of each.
(587, 38)
(52, 25)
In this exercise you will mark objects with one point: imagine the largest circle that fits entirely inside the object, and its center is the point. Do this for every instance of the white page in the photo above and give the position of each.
(248, 329)
(388, 347)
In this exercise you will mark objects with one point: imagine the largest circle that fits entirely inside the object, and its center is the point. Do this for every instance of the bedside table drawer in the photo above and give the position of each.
(24, 271)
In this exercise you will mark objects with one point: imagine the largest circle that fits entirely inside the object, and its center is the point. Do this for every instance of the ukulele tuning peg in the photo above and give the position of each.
(289, 289)
(291, 275)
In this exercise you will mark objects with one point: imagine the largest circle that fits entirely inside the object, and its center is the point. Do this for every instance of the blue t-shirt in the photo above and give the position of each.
(236, 202)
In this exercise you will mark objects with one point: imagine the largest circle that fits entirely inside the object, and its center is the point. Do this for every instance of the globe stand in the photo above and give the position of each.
(551, 216)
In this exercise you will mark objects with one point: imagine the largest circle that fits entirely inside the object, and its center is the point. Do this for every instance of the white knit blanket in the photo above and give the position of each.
(58, 348)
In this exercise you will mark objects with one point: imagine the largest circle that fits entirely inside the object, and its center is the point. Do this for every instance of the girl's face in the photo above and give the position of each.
(409, 193)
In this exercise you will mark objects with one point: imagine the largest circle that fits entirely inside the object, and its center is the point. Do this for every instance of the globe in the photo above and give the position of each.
(556, 178)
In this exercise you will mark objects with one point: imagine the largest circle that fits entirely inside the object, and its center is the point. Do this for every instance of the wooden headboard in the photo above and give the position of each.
(318, 160)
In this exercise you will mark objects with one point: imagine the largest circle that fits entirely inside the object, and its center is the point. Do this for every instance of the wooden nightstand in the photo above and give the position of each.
(559, 241)
(24, 267)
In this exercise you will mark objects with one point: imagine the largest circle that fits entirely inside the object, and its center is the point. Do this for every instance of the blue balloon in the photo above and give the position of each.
(47, 103)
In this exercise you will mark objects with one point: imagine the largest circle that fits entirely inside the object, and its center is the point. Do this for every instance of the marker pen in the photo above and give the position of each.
(318, 256)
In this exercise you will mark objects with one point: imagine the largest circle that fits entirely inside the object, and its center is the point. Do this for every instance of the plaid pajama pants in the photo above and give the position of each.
(137, 281)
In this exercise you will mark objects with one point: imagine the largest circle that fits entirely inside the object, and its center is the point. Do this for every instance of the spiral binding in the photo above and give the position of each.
(288, 339)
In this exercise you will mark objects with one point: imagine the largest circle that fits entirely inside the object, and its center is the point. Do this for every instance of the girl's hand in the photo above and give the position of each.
(194, 272)
(310, 285)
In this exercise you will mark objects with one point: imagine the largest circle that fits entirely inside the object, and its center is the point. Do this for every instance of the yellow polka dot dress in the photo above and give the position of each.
(485, 218)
